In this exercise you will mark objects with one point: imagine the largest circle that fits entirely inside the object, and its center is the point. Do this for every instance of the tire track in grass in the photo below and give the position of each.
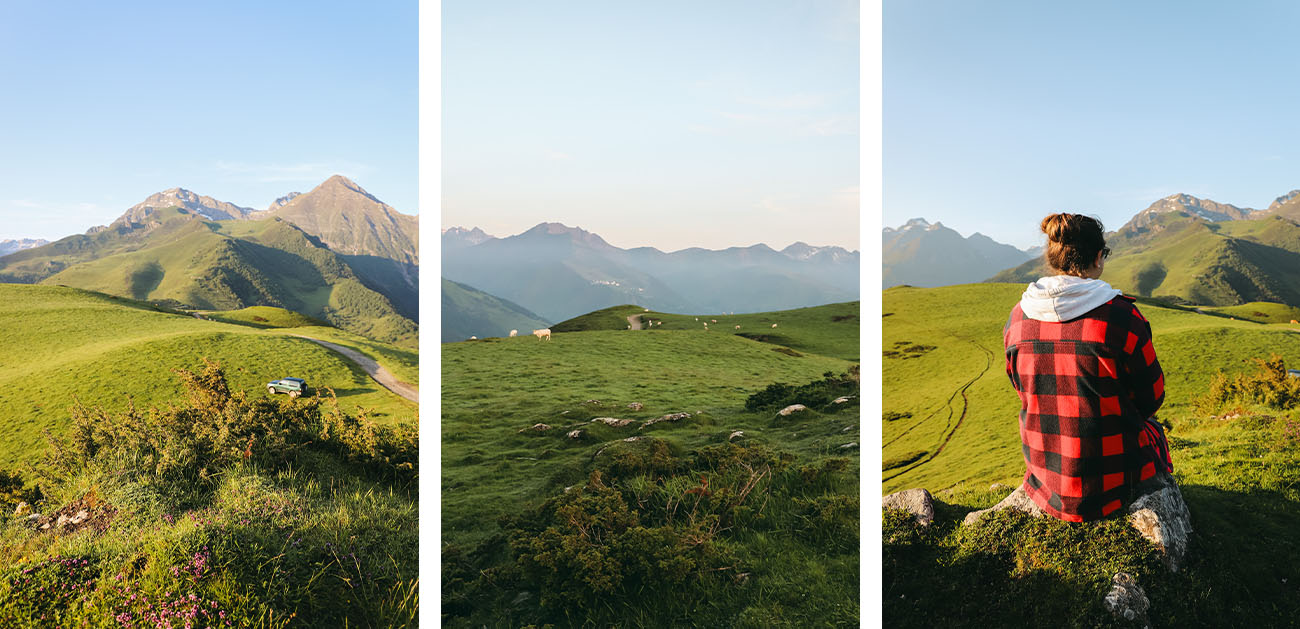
(965, 408)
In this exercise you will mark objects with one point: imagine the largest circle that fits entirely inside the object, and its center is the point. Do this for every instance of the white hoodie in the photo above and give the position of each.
(1064, 297)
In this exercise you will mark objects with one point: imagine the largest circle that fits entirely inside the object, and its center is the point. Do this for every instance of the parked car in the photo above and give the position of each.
(293, 386)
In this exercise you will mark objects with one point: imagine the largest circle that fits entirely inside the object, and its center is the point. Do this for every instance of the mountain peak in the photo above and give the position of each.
(283, 201)
(560, 230)
(207, 207)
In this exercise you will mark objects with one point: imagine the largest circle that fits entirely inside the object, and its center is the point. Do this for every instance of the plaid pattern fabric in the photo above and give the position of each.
(1088, 390)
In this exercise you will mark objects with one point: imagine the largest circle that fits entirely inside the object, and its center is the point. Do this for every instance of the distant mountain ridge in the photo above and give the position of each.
(560, 272)
(177, 246)
(12, 245)
(919, 253)
(467, 311)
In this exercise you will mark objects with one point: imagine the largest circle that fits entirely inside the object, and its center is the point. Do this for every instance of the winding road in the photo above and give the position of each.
(634, 321)
(384, 377)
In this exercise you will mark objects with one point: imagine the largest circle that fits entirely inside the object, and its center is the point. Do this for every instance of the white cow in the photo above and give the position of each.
(473, 338)
(543, 334)
(714, 320)
(774, 325)
(514, 333)
(737, 327)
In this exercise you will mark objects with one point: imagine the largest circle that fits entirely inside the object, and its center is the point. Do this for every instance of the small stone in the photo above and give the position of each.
(576, 434)
(849, 446)
(841, 400)
(536, 427)
(632, 439)
(793, 408)
(1126, 599)
(736, 435)
(915, 501)
(636, 406)
(848, 428)
(999, 487)
(22, 509)
(671, 417)
(611, 421)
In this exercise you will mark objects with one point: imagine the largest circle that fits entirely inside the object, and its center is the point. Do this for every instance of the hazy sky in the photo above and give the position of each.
(106, 103)
(669, 124)
(998, 113)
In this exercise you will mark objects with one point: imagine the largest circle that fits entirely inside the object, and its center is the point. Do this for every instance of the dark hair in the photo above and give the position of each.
(1073, 241)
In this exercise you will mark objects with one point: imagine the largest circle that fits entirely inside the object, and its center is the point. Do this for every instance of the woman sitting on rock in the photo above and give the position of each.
(1080, 355)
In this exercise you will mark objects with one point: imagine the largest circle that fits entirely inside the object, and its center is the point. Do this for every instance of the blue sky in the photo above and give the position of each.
(105, 103)
(668, 124)
(998, 113)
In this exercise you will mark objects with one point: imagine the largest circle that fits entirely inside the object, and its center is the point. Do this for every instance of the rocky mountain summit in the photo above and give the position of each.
(207, 207)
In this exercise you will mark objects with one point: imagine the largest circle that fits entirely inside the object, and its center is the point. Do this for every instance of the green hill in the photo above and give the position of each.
(467, 311)
(830, 330)
(62, 343)
(949, 426)
(667, 523)
(1182, 258)
(185, 261)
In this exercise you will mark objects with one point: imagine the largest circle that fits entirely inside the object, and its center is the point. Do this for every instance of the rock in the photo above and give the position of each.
(1159, 515)
(636, 406)
(79, 517)
(852, 445)
(671, 417)
(632, 439)
(842, 400)
(1126, 600)
(1018, 499)
(915, 501)
(999, 487)
(736, 435)
(611, 421)
(576, 434)
(793, 408)
(593, 402)
(848, 428)
(22, 509)
(536, 427)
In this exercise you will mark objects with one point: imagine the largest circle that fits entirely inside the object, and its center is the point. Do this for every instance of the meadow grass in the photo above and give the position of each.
(313, 524)
(1236, 461)
(63, 344)
(829, 330)
(674, 552)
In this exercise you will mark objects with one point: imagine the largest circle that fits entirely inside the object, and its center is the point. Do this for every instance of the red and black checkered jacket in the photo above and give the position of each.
(1087, 388)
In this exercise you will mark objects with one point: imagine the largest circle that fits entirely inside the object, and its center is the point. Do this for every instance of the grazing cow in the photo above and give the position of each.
(473, 338)
(543, 334)
(774, 325)
(714, 320)
(737, 327)
(514, 333)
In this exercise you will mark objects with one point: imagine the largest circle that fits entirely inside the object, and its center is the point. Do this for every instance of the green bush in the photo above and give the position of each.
(815, 394)
(1269, 385)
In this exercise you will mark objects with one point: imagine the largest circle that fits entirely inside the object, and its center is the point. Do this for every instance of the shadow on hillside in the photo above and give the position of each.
(1242, 567)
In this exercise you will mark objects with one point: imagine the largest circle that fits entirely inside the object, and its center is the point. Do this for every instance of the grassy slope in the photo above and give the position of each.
(969, 347)
(264, 317)
(1239, 476)
(64, 342)
(492, 388)
(830, 330)
(467, 311)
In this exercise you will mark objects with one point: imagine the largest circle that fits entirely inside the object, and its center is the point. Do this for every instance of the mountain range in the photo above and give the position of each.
(1197, 251)
(9, 246)
(559, 272)
(335, 253)
(923, 254)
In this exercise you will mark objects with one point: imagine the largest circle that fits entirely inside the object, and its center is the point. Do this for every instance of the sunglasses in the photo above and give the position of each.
(1105, 252)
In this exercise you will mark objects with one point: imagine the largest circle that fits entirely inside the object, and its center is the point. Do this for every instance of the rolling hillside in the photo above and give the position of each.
(105, 350)
(1179, 257)
(467, 312)
(751, 528)
(950, 426)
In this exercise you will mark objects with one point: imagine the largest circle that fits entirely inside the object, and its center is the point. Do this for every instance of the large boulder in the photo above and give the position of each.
(1159, 514)
(915, 501)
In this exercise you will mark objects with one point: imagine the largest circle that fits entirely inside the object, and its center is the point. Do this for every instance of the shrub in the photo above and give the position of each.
(1269, 385)
(814, 394)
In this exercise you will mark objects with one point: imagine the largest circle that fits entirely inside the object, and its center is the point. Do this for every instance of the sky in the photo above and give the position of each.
(999, 113)
(666, 124)
(106, 103)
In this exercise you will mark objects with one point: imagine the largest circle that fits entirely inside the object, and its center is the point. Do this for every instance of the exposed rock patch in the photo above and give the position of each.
(612, 421)
(1127, 600)
(791, 409)
(671, 417)
(918, 502)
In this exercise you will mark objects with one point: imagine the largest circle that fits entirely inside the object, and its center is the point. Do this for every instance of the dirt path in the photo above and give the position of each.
(634, 321)
(381, 375)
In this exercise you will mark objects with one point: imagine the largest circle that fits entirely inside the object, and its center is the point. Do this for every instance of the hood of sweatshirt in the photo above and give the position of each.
(1064, 297)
